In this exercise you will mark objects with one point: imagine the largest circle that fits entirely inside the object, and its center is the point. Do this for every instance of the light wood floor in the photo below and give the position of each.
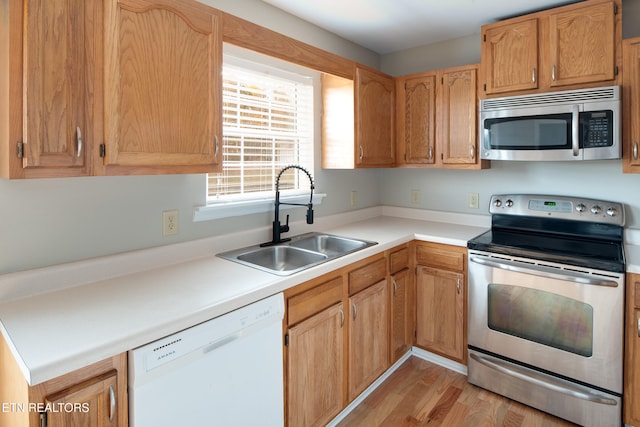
(420, 393)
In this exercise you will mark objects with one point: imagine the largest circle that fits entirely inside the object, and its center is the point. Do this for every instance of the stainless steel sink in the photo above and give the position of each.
(328, 244)
(301, 252)
(282, 258)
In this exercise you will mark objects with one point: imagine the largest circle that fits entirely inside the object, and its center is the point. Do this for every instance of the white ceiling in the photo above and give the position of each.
(386, 26)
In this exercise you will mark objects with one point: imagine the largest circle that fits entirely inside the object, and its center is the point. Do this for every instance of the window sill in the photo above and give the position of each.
(247, 207)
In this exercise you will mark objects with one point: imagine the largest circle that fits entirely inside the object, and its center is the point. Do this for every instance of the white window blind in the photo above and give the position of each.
(267, 125)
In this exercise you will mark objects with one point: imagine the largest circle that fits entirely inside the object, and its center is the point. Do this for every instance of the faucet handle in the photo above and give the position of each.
(310, 213)
(285, 228)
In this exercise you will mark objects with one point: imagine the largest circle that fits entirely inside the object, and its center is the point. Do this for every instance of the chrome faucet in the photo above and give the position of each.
(278, 228)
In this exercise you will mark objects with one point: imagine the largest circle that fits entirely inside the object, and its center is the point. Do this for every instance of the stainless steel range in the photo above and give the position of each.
(546, 306)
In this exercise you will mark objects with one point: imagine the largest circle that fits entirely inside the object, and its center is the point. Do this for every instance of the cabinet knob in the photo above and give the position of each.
(553, 72)
(355, 311)
(472, 151)
(341, 317)
(635, 150)
(361, 152)
(430, 153)
(533, 74)
(217, 141)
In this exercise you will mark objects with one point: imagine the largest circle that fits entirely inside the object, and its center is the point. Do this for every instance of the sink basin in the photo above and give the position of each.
(301, 252)
(282, 258)
(328, 244)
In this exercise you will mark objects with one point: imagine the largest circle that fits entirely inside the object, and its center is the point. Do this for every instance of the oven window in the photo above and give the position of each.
(542, 317)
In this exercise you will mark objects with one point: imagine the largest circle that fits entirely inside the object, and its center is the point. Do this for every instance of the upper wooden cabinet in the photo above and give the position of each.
(48, 76)
(501, 43)
(437, 119)
(116, 87)
(416, 119)
(358, 120)
(374, 109)
(631, 106)
(162, 87)
(567, 47)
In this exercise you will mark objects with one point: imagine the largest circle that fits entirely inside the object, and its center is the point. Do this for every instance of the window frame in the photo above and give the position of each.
(251, 203)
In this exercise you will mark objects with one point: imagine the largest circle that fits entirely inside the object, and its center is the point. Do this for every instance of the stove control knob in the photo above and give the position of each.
(580, 207)
(497, 203)
(612, 212)
(509, 203)
(595, 209)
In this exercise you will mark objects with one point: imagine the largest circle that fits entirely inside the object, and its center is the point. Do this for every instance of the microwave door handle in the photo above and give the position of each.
(575, 130)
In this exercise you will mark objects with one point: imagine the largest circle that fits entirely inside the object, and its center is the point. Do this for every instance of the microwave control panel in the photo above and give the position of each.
(597, 128)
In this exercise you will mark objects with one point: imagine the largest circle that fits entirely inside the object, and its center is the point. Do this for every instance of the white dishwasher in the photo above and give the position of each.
(224, 372)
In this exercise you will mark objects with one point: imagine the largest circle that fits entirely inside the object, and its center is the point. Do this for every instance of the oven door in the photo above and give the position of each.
(559, 320)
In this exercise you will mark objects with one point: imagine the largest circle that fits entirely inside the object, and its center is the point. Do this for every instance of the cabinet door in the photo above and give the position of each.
(315, 369)
(419, 120)
(631, 110)
(93, 402)
(582, 45)
(510, 56)
(375, 97)
(401, 314)
(440, 312)
(59, 60)
(368, 337)
(458, 117)
(163, 87)
(632, 351)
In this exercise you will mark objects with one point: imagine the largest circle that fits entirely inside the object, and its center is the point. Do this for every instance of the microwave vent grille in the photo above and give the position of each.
(610, 93)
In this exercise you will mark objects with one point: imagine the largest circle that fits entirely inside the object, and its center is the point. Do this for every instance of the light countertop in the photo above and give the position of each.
(55, 325)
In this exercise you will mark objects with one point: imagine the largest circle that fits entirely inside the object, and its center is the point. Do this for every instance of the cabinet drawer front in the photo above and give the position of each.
(440, 258)
(308, 303)
(366, 276)
(398, 260)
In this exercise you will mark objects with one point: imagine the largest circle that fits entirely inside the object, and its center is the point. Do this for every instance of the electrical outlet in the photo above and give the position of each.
(169, 223)
(354, 198)
(474, 200)
(415, 196)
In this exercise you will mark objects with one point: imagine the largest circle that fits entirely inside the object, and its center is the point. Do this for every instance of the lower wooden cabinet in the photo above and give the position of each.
(402, 302)
(441, 300)
(315, 368)
(94, 396)
(337, 332)
(632, 351)
(368, 337)
(440, 320)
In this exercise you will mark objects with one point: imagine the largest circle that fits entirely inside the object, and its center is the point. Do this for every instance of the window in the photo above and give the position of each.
(267, 125)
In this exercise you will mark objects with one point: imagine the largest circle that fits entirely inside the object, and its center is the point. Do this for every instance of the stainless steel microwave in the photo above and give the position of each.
(556, 126)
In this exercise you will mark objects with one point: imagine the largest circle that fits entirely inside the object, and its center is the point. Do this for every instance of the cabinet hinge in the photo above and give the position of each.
(484, 87)
(616, 70)
(43, 419)
(20, 150)
(441, 80)
(615, 9)
(103, 150)
(286, 340)
(484, 38)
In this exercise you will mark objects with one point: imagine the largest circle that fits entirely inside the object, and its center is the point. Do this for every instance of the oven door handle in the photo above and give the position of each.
(547, 382)
(542, 271)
